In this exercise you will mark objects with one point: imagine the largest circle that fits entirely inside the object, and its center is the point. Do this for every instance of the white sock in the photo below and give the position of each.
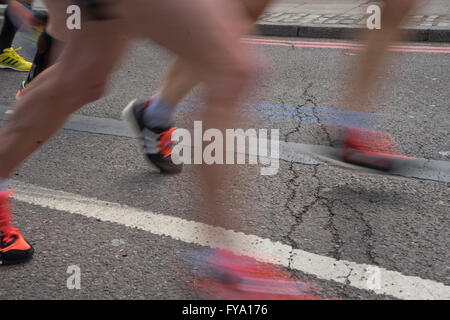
(359, 120)
(158, 113)
(3, 184)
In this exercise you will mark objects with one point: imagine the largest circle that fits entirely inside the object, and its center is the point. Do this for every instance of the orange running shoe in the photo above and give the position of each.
(368, 148)
(234, 277)
(14, 248)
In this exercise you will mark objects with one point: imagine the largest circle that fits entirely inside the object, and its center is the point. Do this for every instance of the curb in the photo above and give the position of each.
(337, 32)
(347, 32)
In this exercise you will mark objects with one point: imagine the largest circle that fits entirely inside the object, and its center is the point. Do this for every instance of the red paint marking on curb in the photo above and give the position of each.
(302, 42)
(418, 51)
(341, 45)
(331, 45)
(303, 45)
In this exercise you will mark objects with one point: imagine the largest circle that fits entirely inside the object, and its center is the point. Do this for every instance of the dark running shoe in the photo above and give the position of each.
(156, 142)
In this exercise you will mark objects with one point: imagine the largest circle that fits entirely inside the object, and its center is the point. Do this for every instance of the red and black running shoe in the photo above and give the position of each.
(156, 142)
(14, 248)
(234, 277)
(368, 148)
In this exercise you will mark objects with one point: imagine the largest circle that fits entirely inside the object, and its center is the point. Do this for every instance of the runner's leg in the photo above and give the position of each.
(50, 43)
(222, 63)
(393, 15)
(8, 32)
(43, 110)
(8, 56)
(152, 119)
(182, 77)
(360, 143)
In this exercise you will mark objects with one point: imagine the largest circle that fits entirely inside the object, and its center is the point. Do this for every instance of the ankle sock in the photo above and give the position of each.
(3, 185)
(158, 112)
(357, 119)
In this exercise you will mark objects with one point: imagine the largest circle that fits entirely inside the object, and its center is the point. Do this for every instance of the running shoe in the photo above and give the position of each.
(156, 142)
(14, 248)
(368, 148)
(20, 91)
(11, 60)
(234, 277)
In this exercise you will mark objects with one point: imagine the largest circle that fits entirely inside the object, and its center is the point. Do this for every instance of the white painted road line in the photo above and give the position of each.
(360, 276)
(426, 169)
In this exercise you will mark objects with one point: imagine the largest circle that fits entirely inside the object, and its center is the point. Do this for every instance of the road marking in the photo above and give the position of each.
(391, 283)
(348, 44)
(340, 45)
(426, 169)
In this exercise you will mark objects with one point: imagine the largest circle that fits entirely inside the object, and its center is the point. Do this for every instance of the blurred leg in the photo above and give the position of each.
(394, 13)
(182, 77)
(360, 144)
(43, 110)
(50, 43)
(216, 54)
(8, 32)
(221, 61)
(8, 56)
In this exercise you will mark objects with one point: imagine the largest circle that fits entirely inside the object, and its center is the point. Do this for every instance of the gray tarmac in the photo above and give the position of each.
(400, 224)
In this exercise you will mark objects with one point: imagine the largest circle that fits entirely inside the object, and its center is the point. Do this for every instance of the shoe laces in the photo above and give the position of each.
(165, 142)
(8, 232)
(14, 54)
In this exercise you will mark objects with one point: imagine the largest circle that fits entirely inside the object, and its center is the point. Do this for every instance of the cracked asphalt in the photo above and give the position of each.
(396, 223)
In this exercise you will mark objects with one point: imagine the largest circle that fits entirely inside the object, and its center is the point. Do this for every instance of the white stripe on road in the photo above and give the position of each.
(360, 276)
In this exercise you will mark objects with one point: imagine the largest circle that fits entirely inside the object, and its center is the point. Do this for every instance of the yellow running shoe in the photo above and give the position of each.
(10, 59)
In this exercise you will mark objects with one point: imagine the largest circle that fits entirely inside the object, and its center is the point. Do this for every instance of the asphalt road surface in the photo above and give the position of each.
(88, 198)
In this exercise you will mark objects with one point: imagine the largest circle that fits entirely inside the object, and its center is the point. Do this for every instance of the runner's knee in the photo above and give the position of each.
(78, 91)
(235, 75)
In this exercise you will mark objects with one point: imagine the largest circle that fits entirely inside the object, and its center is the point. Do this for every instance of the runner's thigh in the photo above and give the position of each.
(205, 32)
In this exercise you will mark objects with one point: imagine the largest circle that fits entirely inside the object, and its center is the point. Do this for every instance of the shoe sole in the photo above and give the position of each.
(324, 155)
(19, 261)
(6, 67)
(15, 262)
(128, 117)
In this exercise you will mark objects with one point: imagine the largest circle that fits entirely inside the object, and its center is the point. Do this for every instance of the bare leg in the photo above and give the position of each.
(393, 15)
(224, 68)
(181, 77)
(56, 26)
(42, 111)
(359, 143)
(220, 59)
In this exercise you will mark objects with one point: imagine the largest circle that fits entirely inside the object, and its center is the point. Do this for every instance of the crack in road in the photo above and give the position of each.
(309, 98)
(331, 226)
(367, 235)
(299, 214)
(298, 218)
